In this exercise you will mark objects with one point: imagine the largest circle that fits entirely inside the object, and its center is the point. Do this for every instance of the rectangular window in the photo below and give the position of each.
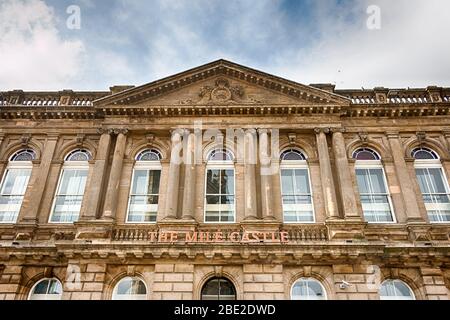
(220, 195)
(435, 193)
(13, 190)
(296, 196)
(69, 196)
(144, 196)
(375, 198)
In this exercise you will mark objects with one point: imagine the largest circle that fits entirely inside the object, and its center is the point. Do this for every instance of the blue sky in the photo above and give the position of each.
(138, 41)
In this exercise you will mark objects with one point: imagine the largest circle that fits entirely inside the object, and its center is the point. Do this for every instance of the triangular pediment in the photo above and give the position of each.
(223, 83)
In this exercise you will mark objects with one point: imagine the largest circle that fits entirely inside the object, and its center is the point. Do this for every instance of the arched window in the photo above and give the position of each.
(433, 184)
(14, 184)
(308, 289)
(220, 192)
(79, 155)
(218, 289)
(144, 192)
(71, 186)
(395, 290)
(375, 197)
(365, 154)
(46, 289)
(130, 288)
(296, 188)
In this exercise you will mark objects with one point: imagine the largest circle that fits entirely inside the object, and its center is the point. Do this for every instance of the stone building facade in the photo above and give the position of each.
(135, 192)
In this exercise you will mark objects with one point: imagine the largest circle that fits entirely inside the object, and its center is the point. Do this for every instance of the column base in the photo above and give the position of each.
(419, 231)
(93, 229)
(346, 230)
(177, 225)
(25, 230)
(259, 225)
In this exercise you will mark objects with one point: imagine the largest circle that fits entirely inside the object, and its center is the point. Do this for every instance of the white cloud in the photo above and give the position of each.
(410, 49)
(33, 56)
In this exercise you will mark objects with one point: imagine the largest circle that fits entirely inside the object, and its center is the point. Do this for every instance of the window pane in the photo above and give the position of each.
(140, 182)
(422, 180)
(377, 180)
(16, 181)
(437, 180)
(287, 181)
(41, 287)
(362, 177)
(143, 208)
(73, 182)
(153, 181)
(213, 182)
(227, 182)
(301, 181)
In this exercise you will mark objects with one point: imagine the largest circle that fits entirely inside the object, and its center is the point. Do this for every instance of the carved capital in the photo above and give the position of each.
(392, 135)
(118, 131)
(338, 130)
(322, 130)
(263, 131)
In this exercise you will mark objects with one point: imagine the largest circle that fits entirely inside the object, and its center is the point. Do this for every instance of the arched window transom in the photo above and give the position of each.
(424, 154)
(79, 155)
(24, 155)
(149, 155)
(46, 289)
(220, 155)
(308, 289)
(395, 290)
(218, 289)
(365, 154)
(130, 288)
(292, 155)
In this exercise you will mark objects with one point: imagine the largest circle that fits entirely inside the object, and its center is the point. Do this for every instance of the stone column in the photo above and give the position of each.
(349, 202)
(404, 179)
(326, 176)
(97, 181)
(35, 191)
(250, 209)
(266, 175)
(109, 211)
(173, 182)
(189, 179)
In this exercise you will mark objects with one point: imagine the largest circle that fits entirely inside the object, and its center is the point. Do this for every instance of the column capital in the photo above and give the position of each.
(322, 130)
(392, 134)
(103, 131)
(338, 130)
(262, 131)
(446, 132)
(117, 131)
(52, 136)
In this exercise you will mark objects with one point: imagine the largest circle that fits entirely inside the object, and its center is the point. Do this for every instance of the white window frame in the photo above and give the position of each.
(302, 165)
(69, 165)
(325, 294)
(433, 164)
(220, 165)
(46, 297)
(149, 166)
(129, 297)
(16, 165)
(377, 164)
(387, 298)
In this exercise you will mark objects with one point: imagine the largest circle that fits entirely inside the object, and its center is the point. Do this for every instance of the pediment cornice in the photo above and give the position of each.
(222, 92)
